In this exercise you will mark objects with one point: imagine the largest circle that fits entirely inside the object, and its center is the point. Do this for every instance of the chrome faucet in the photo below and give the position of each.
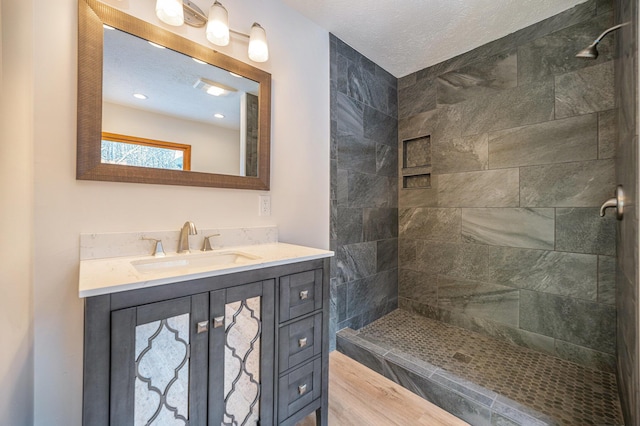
(183, 242)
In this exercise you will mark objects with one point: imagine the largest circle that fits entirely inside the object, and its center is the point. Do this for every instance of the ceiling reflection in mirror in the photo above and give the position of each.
(155, 98)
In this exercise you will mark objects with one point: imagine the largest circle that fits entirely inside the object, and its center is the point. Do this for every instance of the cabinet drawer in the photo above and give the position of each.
(300, 294)
(300, 341)
(299, 388)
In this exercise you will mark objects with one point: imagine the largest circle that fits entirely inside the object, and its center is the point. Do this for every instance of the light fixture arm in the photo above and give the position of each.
(239, 33)
(199, 19)
(193, 15)
(616, 27)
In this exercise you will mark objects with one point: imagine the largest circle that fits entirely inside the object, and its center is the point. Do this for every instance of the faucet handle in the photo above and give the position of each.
(206, 246)
(158, 250)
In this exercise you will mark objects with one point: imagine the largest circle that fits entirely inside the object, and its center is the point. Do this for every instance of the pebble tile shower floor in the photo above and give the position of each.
(571, 394)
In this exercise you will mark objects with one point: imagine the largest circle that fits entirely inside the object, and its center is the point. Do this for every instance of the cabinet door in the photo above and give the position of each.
(241, 353)
(159, 363)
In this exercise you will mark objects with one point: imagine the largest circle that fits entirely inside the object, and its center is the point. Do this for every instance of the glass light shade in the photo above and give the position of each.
(258, 48)
(170, 12)
(218, 25)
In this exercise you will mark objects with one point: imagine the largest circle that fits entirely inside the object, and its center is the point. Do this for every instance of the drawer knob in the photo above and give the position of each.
(304, 294)
(218, 322)
(302, 342)
(302, 389)
(203, 327)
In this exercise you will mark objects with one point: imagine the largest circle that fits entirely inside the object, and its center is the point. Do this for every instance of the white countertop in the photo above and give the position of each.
(111, 275)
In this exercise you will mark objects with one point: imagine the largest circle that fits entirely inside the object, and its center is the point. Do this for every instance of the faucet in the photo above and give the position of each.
(183, 242)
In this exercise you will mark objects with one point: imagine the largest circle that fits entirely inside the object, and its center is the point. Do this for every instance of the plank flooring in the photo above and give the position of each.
(360, 396)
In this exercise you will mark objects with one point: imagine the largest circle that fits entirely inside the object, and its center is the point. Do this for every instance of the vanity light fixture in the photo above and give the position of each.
(179, 12)
(140, 96)
(213, 88)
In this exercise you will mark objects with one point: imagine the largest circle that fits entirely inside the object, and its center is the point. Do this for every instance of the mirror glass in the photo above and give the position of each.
(157, 103)
(154, 107)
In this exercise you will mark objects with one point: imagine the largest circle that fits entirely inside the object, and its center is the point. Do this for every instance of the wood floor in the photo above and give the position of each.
(359, 396)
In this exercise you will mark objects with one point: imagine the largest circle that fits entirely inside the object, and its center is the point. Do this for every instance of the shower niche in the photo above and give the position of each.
(416, 163)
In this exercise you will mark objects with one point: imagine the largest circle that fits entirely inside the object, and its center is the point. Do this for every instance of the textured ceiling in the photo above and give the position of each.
(405, 36)
(132, 65)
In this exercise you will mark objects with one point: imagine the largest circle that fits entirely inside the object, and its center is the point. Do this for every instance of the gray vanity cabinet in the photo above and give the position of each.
(245, 348)
(301, 343)
(138, 333)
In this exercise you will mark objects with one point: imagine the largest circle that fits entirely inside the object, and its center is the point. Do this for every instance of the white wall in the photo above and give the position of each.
(65, 207)
(16, 213)
(214, 149)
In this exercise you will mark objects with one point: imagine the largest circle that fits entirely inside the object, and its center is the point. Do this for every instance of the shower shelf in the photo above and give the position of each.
(416, 177)
(416, 163)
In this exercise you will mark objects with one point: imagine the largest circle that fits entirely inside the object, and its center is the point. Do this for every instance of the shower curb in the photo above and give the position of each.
(466, 400)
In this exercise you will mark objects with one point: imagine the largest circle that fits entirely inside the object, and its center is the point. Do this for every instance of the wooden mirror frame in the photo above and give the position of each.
(91, 16)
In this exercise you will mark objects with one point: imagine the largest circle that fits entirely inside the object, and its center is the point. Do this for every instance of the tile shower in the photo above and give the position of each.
(364, 189)
(504, 156)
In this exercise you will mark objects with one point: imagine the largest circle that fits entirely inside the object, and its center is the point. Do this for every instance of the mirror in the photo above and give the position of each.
(163, 138)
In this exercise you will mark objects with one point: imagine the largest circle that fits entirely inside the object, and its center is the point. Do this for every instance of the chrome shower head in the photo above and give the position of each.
(590, 52)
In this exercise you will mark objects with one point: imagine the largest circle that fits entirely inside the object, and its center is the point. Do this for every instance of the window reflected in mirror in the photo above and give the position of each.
(131, 151)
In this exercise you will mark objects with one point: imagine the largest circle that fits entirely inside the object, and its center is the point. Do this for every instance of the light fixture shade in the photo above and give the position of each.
(170, 12)
(218, 25)
(258, 48)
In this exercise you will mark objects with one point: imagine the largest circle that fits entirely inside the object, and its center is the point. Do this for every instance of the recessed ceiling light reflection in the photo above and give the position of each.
(235, 75)
(218, 115)
(156, 45)
(199, 61)
(107, 27)
(140, 96)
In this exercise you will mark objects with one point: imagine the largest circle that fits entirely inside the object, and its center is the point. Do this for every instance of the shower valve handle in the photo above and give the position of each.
(617, 202)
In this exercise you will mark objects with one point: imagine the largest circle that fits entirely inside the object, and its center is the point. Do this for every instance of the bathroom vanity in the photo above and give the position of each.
(224, 337)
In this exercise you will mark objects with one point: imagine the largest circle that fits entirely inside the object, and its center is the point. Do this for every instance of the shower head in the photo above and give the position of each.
(591, 52)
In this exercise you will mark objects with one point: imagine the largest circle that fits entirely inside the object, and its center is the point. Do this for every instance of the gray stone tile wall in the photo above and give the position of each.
(464, 154)
(529, 228)
(607, 133)
(364, 189)
(508, 241)
(539, 143)
(626, 126)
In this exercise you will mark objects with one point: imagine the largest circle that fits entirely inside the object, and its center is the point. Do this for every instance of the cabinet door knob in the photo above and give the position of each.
(218, 322)
(304, 294)
(203, 327)
(302, 342)
(302, 389)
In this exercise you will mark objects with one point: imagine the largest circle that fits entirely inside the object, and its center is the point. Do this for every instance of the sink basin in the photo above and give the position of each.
(195, 261)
